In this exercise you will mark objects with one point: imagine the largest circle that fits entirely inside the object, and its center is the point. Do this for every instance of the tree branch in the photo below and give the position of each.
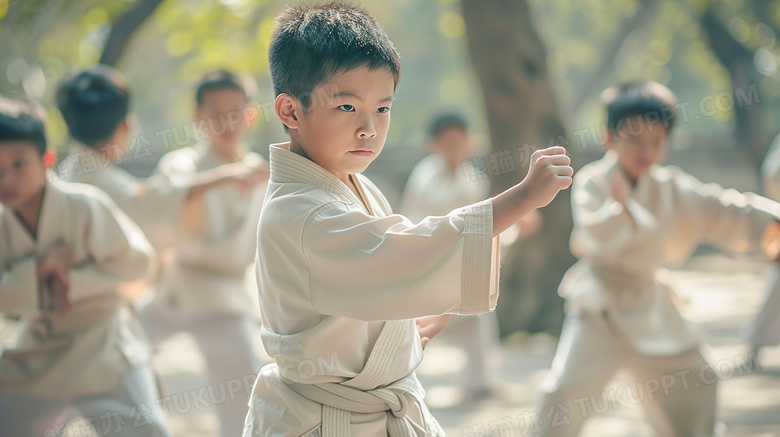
(641, 16)
(123, 28)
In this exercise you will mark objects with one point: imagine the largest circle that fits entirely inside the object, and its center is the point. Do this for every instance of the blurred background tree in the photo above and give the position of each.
(510, 60)
(527, 72)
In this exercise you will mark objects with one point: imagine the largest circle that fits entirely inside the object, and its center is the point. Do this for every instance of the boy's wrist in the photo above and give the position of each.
(523, 199)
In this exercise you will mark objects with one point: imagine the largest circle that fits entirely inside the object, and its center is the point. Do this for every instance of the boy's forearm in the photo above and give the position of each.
(204, 181)
(509, 207)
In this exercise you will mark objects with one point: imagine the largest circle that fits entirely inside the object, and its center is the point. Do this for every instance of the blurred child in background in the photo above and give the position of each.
(66, 251)
(632, 218)
(208, 289)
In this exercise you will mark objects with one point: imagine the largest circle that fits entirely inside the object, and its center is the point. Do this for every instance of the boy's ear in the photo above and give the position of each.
(123, 129)
(288, 109)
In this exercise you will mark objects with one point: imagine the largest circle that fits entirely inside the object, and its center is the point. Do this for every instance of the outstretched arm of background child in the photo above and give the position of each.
(730, 220)
(179, 169)
(237, 174)
(550, 172)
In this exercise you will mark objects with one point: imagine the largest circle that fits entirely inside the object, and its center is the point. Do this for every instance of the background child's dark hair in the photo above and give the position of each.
(222, 79)
(311, 44)
(22, 120)
(648, 99)
(445, 121)
(93, 103)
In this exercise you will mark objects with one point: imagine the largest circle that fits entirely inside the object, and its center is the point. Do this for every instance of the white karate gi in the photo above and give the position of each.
(620, 314)
(96, 358)
(340, 285)
(209, 289)
(155, 204)
(764, 329)
(432, 191)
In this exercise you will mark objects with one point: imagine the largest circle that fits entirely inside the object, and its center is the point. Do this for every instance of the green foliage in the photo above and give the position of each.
(42, 40)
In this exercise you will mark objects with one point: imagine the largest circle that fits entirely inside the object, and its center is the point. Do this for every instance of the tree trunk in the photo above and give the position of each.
(738, 61)
(510, 61)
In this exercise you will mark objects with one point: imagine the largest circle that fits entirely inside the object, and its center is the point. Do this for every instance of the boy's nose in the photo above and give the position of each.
(366, 131)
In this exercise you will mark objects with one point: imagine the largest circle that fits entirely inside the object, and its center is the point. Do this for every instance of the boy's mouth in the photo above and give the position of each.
(362, 152)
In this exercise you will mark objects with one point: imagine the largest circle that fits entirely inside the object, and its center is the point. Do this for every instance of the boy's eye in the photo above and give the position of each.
(383, 110)
(18, 164)
(347, 108)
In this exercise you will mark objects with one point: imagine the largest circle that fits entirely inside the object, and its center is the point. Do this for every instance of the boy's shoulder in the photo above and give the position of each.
(294, 201)
(298, 187)
(255, 159)
(605, 165)
(182, 160)
(598, 168)
(664, 173)
(76, 197)
(80, 193)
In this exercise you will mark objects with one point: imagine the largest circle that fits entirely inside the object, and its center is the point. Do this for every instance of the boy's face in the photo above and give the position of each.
(225, 109)
(22, 174)
(639, 145)
(346, 124)
(453, 144)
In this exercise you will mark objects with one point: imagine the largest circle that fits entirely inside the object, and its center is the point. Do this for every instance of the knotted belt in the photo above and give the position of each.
(340, 399)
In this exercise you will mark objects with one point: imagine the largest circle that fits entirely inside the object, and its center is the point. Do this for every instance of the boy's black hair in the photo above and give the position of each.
(22, 120)
(93, 103)
(221, 79)
(646, 98)
(311, 44)
(446, 121)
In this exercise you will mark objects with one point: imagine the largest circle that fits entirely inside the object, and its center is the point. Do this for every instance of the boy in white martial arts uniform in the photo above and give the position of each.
(436, 186)
(764, 329)
(208, 289)
(633, 217)
(65, 251)
(94, 104)
(341, 279)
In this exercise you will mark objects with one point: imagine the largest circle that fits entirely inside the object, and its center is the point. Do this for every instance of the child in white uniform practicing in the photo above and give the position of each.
(95, 104)
(208, 289)
(341, 278)
(632, 218)
(65, 252)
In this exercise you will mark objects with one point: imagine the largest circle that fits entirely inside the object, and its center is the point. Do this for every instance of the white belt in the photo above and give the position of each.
(340, 399)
